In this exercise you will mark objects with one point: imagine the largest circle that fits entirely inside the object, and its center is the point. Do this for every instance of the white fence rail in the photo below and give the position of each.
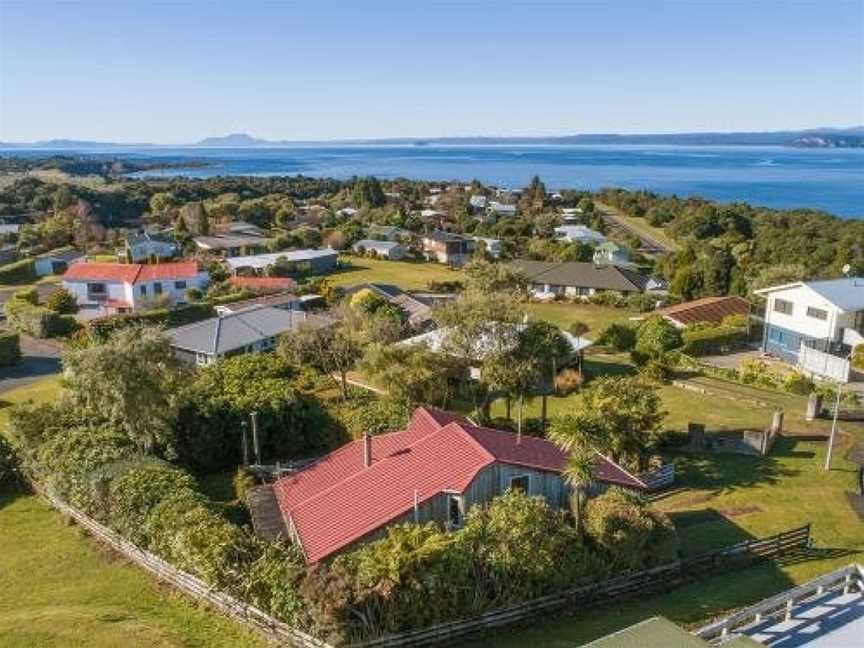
(812, 361)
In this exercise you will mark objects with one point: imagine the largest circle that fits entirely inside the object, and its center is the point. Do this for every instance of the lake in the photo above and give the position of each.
(828, 179)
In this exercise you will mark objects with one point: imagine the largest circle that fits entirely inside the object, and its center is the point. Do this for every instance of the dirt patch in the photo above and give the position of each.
(856, 502)
(692, 500)
(856, 454)
(737, 511)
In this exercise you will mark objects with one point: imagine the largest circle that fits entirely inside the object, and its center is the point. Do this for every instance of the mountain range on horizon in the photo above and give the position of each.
(849, 137)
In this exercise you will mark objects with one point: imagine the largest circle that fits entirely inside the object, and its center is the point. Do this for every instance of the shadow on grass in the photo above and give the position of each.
(721, 472)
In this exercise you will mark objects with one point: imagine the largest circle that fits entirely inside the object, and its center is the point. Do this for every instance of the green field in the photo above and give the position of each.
(724, 498)
(562, 314)
(409, 275)
(60, 588)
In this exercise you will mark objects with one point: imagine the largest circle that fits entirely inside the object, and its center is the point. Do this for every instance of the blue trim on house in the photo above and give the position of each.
(784, 343)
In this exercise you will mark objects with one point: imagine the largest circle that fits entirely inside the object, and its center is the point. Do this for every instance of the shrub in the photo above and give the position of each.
(712, 340)
(655, 337)
(797, 383)
(9, 471)
(102, 327)
(608, 298)
(29, 295)
(642, 302)
(10, 348)
(17, 272)
(620, 337)
(62, 301)
(568, 381)
(194, 294)
(629, 531)
(243, 482)
(38, 321)
(858, 357)
(656, 370)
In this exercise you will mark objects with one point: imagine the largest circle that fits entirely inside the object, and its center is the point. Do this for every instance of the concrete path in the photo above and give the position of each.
(39, 358)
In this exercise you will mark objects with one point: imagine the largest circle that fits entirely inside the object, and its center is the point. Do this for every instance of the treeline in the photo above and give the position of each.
(736, 247)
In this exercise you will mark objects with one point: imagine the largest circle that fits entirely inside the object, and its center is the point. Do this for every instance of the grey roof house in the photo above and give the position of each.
(418, 311)
(252, 330)
(575, 279)
(382, 249)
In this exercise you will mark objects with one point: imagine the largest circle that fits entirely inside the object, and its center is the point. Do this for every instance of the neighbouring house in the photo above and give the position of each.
(145, 245)
(56, 261)
(123, 287)
(263, 284)
(253, 329)
(579, 234)
(547, 280)
(7, 229)
(486, 342)
(611, 253)
(8, 253)
(295, 261)
(284, 300)
(815, 324)
(478, 203)
(571, 215)
(436, 469)
(708, 310)
(387, 233)
(492, 245)
(347, 212)
(234, 239)
(445, 247)
(496, 210)
(381, 249)
(433, 217)
(417, 311)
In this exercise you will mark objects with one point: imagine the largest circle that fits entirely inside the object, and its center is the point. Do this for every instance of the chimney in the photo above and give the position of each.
(367, 449)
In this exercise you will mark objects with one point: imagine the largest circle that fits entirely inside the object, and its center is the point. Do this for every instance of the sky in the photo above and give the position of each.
(176, 72)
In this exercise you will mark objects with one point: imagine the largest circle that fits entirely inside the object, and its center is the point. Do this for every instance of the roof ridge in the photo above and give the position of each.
(473, 440)
(622, 469)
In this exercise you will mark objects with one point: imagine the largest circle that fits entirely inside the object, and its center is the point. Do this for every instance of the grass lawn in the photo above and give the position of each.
(62, 589)
(409, 275)
(724, 498)
(562, 314)
(642, 226)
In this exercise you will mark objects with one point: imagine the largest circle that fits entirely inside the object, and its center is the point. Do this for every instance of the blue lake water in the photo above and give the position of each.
(828, 179)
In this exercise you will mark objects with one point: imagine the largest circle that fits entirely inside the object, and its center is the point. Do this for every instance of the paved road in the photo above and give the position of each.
(39, 358)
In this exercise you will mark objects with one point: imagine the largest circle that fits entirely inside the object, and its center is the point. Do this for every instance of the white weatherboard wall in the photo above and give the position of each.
(115, 289)
(803, 297)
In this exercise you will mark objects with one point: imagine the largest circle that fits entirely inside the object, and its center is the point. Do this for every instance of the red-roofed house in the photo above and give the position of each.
(121, 287)
(712, 310)
(434, 470)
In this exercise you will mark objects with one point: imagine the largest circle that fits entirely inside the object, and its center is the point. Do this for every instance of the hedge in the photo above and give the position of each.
(17, 272)
(10, 348)
(713, 340)
(187, 314)
(38, 321)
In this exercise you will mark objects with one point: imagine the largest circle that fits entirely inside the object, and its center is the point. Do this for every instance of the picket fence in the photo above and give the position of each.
(644, 582)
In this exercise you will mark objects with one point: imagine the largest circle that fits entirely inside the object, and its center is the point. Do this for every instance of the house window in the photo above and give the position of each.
(143, 290)
(519, 483)
(817, 313)
(782, 306)
(454, 511)
(157, 288)
(180, 285)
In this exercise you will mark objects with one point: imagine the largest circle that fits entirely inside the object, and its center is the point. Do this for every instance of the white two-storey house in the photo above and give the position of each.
(124, 287)
(815, 324)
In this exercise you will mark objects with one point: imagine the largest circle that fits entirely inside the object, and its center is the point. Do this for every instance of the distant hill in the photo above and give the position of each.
(810, 138)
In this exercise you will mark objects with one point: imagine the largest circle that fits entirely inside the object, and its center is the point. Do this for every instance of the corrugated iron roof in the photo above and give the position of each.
(707, 309)
(339, 500)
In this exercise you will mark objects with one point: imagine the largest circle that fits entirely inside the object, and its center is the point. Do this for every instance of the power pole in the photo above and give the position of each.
(833, 430)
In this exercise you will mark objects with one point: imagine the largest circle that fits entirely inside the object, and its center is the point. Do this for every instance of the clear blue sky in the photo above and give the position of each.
(174, 72)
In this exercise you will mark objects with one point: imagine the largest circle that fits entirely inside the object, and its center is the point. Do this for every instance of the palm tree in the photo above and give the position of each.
(579, 473)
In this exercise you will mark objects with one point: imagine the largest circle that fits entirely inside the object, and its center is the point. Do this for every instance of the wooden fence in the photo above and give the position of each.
(643, 582)
(272, 629)
(659, 477)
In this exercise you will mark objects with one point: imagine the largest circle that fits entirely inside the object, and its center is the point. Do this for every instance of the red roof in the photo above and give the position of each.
(438, 451)
(707, 309)
(130, 272)
(263, 283)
